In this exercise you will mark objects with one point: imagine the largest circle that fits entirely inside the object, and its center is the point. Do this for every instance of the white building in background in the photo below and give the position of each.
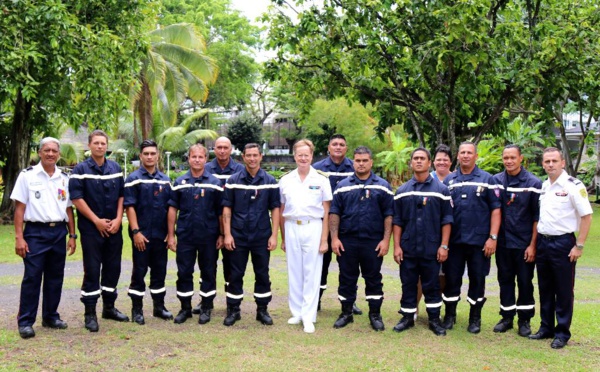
(573, 132)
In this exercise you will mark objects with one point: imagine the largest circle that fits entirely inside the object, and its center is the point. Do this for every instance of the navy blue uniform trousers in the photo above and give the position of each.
(155, 257)
(511, 264)
(238, 260)
(359, 255)
(428, 270)
(46, 258)
(101, 266)
(478, 268)
(206, 253)
(556, 279)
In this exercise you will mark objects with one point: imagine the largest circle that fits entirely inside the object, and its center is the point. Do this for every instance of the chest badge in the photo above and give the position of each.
(38, 195)
(62, 194)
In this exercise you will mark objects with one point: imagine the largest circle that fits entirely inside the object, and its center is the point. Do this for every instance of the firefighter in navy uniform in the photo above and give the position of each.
(146, 198)
(96, 189)
(360, 224)
(515, 256)
(42, 203)
(336, 167)
(564, 210)
(222, 167)
(422, 224)
(197, 196)
(476, 211)
(249, 196)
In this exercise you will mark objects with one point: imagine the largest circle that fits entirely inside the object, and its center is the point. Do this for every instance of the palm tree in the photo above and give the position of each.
(179, 138)
(176, 68)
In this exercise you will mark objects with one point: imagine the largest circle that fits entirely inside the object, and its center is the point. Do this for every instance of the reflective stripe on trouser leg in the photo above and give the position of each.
(186, 260)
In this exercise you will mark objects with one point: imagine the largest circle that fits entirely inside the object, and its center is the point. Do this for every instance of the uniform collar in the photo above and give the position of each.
(330, 163)
(428, 180)
(145, 172)
(39, 169)
(189, 175)
(473, 174)
(92, 164)
(217, 167)
(259, 176)
(562, 179)
(372, 179)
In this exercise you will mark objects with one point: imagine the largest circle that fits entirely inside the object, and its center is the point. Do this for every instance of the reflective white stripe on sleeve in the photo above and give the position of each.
(451, 299)
(95, 293)
(251, 187)
(235, 297)
(222, 176)
(207, 294)
(338, 174)
(97, 176)
(422, 193)
(185, 294)
(198, 185)
(378, 187)
(137, 293)
(160, 290)
(523, 189)
(136, 182)
(108, 289)
(262, 295)
(360, 187)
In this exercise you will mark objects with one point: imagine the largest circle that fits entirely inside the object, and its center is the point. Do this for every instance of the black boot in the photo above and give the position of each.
(137, 315)
(503, 325)
(90, 319)
(376, 321)
(450, 316)
(345, 317)
(233, 315)
(407, 321)
(262, 315)
(356, 310)
(435, 325)
(205, 311)
(185, 312)
(474, 319)
(321, 291)
(160, 311)
(197, 309)
(524, 327)
(109, 311)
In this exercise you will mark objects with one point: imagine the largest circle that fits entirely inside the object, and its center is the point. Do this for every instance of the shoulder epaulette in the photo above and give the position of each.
(324, 174)
(27, 169)
(574, 180)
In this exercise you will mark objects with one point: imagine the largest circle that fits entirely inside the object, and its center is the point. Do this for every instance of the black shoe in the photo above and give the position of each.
(91, 322)
(524, 328)
(233, 315)
(319, 306)
(204, 316)
(540, 335)
(376, 321)
(137, 316)
(474, 325)
(558, 343)
(182, 316)
(405, 323)
(356, 310)
(160, 311)
(54, 324)
(262, 315)
(449, 322)
(111, 312)
(503, 325)
(343, 320)
(197, 309)
(435, 325)
(26, 332)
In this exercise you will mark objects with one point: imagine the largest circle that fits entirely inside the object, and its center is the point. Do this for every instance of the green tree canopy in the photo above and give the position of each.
(244, 129)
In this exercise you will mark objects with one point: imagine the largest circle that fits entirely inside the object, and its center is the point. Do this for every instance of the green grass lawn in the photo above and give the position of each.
(249, 346)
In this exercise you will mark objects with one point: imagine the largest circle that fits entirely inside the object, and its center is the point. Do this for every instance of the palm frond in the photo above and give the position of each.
(183, 34)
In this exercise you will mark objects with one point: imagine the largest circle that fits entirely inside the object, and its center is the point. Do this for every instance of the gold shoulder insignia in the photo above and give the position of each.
(583, 192)
(324, 174)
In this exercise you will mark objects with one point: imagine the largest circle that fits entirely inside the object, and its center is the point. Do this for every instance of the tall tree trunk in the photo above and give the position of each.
(135, 131)
(145, 110)
(18, 157)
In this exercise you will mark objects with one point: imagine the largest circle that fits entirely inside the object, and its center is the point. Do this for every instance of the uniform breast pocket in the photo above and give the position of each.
(36, 194)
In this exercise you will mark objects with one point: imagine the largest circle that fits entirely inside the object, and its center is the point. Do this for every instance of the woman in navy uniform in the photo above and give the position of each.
(249, 196)
(476, 200)
(360, 223)
(422, 225)
(96, 188)
(42, 203)
(147, 192)
(197, 196)
(515, 256)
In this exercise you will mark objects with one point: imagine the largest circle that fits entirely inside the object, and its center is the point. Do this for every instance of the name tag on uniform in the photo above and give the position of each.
(464, 196)
(562, 193)
(314, 187)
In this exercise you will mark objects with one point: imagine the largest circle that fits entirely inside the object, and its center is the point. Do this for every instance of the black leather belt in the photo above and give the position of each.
(555, 237)
(46, 224)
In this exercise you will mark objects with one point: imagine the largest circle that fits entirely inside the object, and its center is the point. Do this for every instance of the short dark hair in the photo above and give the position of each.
(337, 136)
(97, 133)
(421, 149)
(363, 150)
(468, 143)
(147, 143)
(513, 146)
(251, 145)
(444, 149)
(553, 149)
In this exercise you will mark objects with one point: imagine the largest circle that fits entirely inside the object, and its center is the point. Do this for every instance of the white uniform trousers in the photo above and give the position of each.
(302, 240)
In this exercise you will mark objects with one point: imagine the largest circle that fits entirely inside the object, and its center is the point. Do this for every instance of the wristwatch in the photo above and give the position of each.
(579, 246)
(444, 247)
(73, 236)
(494, 237)
(135, 231)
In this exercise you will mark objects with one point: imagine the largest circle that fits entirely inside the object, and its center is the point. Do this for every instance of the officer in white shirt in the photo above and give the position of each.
(305, 200)
(42, 203)
(564, 210)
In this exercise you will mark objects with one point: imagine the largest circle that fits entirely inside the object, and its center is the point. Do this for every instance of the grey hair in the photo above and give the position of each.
(46, 140)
